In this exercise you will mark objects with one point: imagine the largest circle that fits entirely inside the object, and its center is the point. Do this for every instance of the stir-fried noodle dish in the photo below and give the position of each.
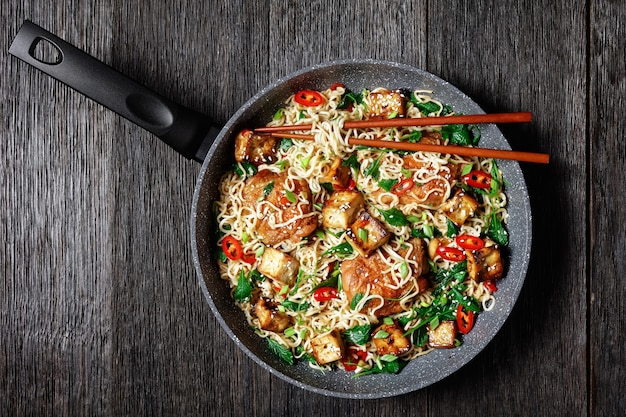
(358, 258)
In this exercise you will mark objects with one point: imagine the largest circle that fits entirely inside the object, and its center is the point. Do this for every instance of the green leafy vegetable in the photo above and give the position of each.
(244, 169)
(496, 231)
(359, 335)
(384, 367)
(373, 169)
(394, 217)
(356, 300)
(244, 288)
(281, 351)
(387, 184)
(341, 250)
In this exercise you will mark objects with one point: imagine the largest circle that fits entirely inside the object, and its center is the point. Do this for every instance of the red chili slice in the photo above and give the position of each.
(309, 98)
(232, 248)
(450, 254)
(403, 186)
(336, 86)
(325, 294)
(470, 242)
(248, 258)
(464, 321)
(353, 358)
(490, 285)
(478, 179)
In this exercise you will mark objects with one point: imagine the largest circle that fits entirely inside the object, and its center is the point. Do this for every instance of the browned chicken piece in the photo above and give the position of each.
(415, 248)
(338, 176)
(386, 104)
(392, 342)
(366, 234)
(279, 266)
(443, 335)
(460, 207)
(359, 273)
(270, 317)
(486, 263)
(431, 193)
(328, 348)
(281, 219)
(255, 148)
(342, 208)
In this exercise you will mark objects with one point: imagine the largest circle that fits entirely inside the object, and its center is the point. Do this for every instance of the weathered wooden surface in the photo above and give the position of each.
(100, 309)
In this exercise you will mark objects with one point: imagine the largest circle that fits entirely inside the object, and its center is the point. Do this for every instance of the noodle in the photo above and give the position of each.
(271, 218)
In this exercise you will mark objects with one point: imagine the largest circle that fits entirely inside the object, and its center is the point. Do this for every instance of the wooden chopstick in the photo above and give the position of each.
(288, 135)
(470, 119)
(539, 158)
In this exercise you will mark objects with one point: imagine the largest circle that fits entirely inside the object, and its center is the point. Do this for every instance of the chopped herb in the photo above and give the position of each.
(387, 184)
(381, 334)
(384, 368)
(373, 169)
(453, 229)
(359, 335)
(267, 190)
(341, 250)
(496, 231)
(362, 234)
(285, 144)
(244, 289)
(394, 217)
(356, 300)
(244, 169)
(279, 114)
(281, 351)
(388, 321)
(293, 306)
(352, 162)
(291, 197)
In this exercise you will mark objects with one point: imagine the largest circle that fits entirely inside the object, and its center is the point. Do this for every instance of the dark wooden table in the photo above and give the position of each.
(100, 308)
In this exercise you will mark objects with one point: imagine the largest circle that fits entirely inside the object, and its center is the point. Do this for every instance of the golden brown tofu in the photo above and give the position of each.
(328, 348)
(279, 266)
(443, 335)
(338, 176)
(342, 208)
(393, 343)
(386, 104)
(460, 207)
(366, 234)
(255, 148)
(484, 264)
(270, 318)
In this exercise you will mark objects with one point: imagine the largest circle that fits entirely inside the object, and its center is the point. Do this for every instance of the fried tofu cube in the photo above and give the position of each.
(392, 341)
(386, 104)
(366, 234)
(460, 207)
(279, 266)
(485, 263)
(255, 148)
(338, 176)
(328, 348)
(442, 336)
(342, 208)
(270, 318)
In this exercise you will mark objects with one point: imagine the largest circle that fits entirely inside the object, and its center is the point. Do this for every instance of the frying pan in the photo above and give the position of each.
(193, 135)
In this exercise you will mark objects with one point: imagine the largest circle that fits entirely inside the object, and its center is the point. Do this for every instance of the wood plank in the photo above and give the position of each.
(607, 210)
(510, 57)
(56, 287)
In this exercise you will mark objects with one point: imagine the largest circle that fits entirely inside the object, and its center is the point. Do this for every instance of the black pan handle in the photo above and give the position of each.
(190, 133)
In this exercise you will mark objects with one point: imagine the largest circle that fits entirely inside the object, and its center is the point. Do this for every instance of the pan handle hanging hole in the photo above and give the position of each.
(46, 51)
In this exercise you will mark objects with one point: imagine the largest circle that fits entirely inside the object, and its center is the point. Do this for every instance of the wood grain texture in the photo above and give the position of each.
(100, 309)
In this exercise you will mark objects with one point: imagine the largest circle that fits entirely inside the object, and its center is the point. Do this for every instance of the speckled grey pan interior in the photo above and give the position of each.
(419, 373)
